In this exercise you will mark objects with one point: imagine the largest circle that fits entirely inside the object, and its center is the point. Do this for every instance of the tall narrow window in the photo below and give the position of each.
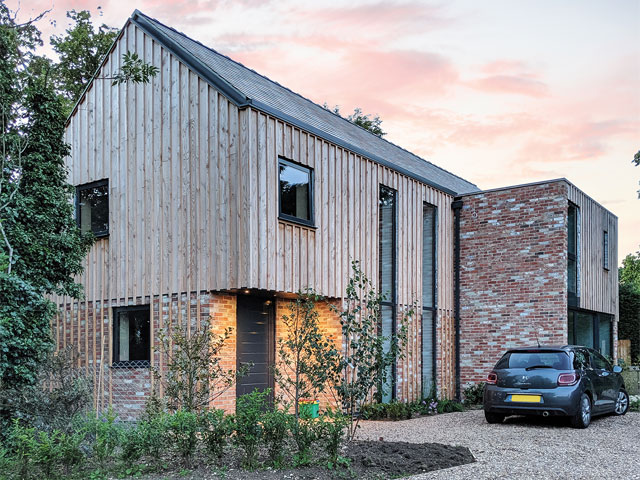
(387, 255)
(605, 249)
(572, 256)
(131, 336)
(92, 208)
(296, 192)
(429, 218)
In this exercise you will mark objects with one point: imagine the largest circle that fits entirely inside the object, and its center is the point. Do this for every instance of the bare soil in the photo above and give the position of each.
(368, 460)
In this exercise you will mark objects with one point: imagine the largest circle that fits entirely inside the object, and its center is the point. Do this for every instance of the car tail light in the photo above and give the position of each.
(568, 379)
(492, 378)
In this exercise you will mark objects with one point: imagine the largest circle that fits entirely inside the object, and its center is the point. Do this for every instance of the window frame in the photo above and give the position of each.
(87, 186)
(573, 298)
(596, 318)
(605, 249)
(392, 301)
(430, 313)
(116, 338)
(291, 218)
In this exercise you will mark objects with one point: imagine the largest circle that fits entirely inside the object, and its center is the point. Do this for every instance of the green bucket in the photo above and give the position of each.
(309, 409)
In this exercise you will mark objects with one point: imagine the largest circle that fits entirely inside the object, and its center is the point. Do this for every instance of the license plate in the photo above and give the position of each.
(526, 398)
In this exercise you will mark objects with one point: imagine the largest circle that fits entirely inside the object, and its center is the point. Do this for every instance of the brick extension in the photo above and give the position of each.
(513, 272)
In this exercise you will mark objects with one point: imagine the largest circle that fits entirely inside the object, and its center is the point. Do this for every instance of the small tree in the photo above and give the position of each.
(305, 354)
(194, 376)
(366, 362)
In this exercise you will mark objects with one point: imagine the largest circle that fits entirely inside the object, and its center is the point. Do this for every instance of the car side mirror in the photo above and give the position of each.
(617, 369)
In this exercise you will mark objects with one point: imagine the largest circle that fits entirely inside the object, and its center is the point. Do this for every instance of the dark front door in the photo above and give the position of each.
(255, 342)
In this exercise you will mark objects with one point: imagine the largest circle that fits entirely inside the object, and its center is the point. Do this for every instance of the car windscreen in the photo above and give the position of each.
(539, 359)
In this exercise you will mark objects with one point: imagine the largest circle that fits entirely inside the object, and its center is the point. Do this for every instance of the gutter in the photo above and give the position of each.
(457, 207)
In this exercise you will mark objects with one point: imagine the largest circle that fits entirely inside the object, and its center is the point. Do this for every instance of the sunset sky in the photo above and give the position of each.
(498, 92)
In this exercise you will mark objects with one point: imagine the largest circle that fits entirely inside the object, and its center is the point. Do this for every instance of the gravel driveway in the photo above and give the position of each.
(525, 448)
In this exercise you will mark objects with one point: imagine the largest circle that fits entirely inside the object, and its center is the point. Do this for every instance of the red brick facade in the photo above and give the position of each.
(513, 280)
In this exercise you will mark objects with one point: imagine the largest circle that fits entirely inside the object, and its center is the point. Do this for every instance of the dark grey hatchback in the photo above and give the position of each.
(572, 381)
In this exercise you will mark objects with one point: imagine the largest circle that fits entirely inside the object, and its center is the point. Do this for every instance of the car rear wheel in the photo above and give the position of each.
(582, 418)
(622, 403)
(493, 417)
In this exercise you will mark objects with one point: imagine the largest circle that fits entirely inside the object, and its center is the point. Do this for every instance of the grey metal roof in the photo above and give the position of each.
(246, 87)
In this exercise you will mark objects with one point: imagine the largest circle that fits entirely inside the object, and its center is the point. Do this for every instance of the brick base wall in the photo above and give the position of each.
(513, 264)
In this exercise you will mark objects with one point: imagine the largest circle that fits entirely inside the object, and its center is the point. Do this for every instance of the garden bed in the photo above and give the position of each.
(367, 459)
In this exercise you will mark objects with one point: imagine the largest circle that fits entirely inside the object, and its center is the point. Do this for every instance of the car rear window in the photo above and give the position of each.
(557, 360)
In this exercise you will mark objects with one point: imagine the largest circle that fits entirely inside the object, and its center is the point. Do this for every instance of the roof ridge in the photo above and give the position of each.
(138, 12)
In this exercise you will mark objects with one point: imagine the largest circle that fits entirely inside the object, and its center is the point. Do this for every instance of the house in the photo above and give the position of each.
(216, 192)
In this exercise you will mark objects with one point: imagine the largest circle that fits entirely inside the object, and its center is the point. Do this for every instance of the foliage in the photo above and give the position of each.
(248, 426)
(182, 427)
(372, 124)
(105, 436)
(59, 395)
(629, 324)
(629, 273)
(275, 425)
(474, 394)
(636, 161)
(134, 70)
(331, 430)
(306, 357)
(367, 358)
(634, 403)
(216, 428)
(80, 51)
(305, 433)
(449, 406)
(194, 374)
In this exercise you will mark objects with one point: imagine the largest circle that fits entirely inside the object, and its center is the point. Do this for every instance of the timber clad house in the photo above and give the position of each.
(215, 192)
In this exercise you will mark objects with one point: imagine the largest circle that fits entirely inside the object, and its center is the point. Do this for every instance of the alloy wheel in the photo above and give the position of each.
(586, 411)
(622, 402)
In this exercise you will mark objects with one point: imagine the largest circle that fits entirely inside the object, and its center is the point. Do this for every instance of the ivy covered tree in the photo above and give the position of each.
(629, 326)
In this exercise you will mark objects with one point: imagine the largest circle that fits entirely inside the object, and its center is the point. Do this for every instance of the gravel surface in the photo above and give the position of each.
(524, 447)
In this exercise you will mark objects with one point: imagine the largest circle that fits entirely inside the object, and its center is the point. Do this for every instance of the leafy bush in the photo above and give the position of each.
(634, 403)
(474, 394)
(398, 410)
(331, 427)
(275, 425)
(449, 406)
(305, 432)
(182, 429)
(373, 411)
(153, 435)
(104, 436)
(248, 425)
(132, 444)
(216, 428)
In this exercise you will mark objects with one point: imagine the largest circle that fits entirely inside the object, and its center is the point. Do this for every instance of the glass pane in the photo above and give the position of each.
(570, 333)
(387, 221)
(387, 332)
(572, 277)
(572, 230)
(94, 209)
(428, 367)
(584, 329)
(605, 336)
(123, 333)
(606, 249)
(139, 344)
(557, 360)
(428, 250)
(295, 191)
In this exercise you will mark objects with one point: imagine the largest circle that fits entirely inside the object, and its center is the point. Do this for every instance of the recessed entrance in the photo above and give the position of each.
(255, 342)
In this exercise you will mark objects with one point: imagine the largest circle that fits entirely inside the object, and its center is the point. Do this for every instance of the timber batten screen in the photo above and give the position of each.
(428, 340)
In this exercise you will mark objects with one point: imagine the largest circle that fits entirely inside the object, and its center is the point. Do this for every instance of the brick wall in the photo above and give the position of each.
(513, 263)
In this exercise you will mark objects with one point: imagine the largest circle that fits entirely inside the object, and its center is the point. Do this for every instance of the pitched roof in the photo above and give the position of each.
(244, 87)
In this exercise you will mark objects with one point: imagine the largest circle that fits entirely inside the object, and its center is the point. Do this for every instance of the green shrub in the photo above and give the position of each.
(305, 433)
(373, 411)
(449, 406)
(71, 454)
(153, 435)
(474, 394)
(104, 436)
(22, 443)
(275, 426)
(132, 444)
(634, 403)
(248, 427)
(182, 429)
(216, 428)
(332, 431)
(398, 410)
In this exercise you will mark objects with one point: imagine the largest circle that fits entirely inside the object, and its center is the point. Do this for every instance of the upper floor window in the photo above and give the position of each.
(572, 255)
(92, 208)
(605, 248)
(296, 192)
(132, 336)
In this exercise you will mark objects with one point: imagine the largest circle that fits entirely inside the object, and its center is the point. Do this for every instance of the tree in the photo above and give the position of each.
(629, 295)
(636, 160)
(81, 52)
(372, 124)
(368, 357)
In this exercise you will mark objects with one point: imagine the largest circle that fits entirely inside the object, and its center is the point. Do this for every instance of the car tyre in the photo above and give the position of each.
(493, 417)
(622, 403)
(582, 418)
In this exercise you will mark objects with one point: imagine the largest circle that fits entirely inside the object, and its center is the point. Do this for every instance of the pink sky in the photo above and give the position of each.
(498, 92)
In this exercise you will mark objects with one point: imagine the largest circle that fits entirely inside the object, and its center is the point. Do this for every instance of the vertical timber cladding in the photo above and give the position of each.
(285, 257)
(193, 192)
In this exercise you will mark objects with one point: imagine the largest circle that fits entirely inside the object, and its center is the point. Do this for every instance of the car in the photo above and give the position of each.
(571, 381)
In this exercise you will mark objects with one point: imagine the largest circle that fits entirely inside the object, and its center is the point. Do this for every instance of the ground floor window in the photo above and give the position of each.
(131, 335)
(591, 329)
